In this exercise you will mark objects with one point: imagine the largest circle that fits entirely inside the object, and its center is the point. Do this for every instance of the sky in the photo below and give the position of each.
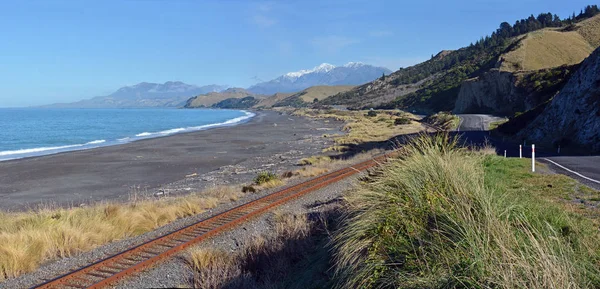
(61, 51)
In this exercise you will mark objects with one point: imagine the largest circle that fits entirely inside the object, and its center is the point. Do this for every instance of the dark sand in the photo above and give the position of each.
(114, 173)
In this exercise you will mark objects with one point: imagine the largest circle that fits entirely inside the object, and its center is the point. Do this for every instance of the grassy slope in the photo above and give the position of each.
(545, 49)
(206, 100)
(590, 30)
(433, 85)
(271, 100)
(322, 91)
(307, 96)
(442, 217)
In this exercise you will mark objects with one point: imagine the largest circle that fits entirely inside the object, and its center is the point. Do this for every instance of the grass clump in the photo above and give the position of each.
(442, 120)
(265, 177)
(288, 256)
(31, 238)
(444, 217)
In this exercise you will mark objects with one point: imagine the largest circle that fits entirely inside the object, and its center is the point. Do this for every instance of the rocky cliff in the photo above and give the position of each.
(493, 92)
(573, 116)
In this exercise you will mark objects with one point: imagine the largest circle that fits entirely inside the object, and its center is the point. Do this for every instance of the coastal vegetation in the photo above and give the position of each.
(360, 128)
(442, 120)
(29, 239)
(437, 216)
(444, 217)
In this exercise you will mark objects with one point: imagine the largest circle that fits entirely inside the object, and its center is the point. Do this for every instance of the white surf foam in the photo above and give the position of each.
(21, 153)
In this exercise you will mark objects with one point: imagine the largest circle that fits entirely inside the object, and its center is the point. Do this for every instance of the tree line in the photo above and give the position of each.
(530, 24)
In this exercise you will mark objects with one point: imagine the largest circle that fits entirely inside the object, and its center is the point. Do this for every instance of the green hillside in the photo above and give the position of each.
(434, 85)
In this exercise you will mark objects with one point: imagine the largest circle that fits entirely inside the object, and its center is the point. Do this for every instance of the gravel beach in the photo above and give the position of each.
(170, 165)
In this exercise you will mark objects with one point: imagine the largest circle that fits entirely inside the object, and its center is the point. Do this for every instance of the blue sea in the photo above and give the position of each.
(26, 132)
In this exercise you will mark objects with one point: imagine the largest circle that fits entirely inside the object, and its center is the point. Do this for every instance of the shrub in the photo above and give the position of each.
(265, 177)
(443, 217)
(401, 121)
(372, 113)
(248, 189)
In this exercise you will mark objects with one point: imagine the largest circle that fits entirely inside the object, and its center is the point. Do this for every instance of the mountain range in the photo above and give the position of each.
(352, 73)
(168, 94)
(178, 94)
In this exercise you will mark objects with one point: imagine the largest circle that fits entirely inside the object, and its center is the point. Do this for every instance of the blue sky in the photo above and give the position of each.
(57, 51)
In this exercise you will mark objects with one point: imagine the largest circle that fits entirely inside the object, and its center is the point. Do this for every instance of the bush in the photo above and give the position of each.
(443, 217)
(401, 121)
(372, 113)
(265, 177)
(248, 189)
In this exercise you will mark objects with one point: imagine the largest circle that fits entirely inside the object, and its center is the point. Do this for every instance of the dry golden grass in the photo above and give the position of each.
(319, 165)
(29, 239)
(322, 91)
(271, 184)
(361, 128)
(273, 99)
(547, 48)
(590, 30)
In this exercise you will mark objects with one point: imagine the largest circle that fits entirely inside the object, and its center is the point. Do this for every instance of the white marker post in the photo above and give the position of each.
(505, 153)
(533, 158)
(520, 151)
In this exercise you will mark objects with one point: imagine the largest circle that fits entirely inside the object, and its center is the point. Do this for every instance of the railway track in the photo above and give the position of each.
(116, 267)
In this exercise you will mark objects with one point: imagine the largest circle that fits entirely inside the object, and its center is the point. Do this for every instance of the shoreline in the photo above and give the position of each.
(165, 165)
(46, 151)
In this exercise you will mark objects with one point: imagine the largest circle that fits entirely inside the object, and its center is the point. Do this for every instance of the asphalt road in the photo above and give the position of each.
(586, 169)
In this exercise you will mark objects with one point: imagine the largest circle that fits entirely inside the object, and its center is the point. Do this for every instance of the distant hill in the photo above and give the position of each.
(211, 98)
(168, 94)
(518, 62)
(301, 99)
(307, 96)
(352, 73)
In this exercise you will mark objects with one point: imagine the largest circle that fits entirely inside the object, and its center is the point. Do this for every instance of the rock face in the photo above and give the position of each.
(494, 92)
(573, 116)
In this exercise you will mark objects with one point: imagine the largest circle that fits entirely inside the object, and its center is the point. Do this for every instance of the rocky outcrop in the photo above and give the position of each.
(573, 116)
(493, 92)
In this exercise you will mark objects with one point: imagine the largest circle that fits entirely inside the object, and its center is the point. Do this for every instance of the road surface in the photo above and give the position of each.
(586, 169)
(476, 122)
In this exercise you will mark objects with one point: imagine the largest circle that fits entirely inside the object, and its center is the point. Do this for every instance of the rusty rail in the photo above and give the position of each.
(116, 267)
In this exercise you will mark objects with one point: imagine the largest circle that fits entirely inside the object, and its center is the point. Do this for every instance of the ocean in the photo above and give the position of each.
(27, 132)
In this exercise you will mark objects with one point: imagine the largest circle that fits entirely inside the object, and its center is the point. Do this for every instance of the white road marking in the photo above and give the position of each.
(574, 172)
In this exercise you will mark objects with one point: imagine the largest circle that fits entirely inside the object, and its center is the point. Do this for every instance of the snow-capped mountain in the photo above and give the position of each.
(168, 94)
(352, 73)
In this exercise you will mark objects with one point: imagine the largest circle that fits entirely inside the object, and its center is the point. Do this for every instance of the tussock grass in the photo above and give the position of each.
(318, 165)
(443, 120)
(444, 217)
(29, 239)
(361, 128)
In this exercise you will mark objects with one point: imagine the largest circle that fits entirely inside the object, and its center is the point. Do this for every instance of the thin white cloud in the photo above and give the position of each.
(380, 33)
(261, 16)
(265, 6)
(263, 21)
(332, 43)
